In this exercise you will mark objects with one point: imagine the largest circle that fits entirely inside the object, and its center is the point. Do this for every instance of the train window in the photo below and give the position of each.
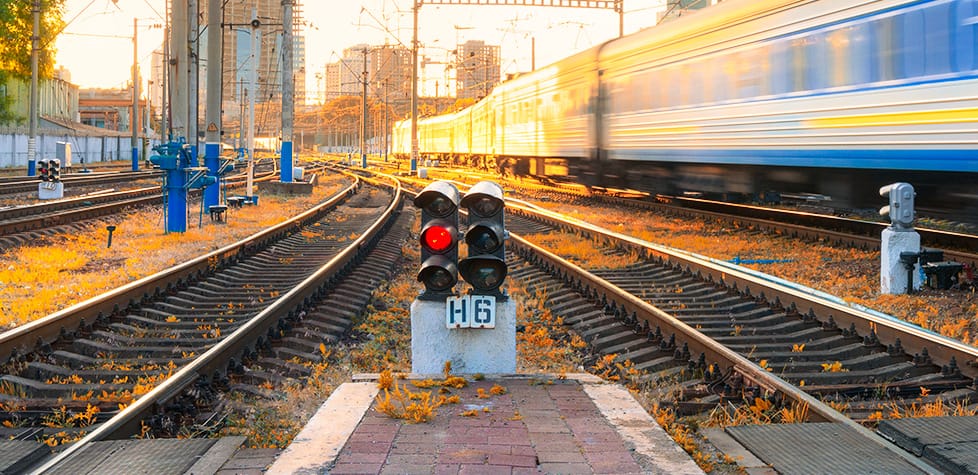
(718, 78)
(837, 50)
(966, 34)
(861, 55)
(937, 25)
(815, 64)
(913, 48)
(887, 59)
(684, 85)
(780, 73)
(701, 67)
(798, 53)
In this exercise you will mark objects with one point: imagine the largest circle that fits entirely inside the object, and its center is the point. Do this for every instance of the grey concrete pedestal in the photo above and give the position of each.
(471, 350)
(893, 274)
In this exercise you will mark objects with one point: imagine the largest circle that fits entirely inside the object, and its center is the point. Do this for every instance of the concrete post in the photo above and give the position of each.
(893, 273)
(288, 93)
(134, 120)
(212, 138)
(470, 350)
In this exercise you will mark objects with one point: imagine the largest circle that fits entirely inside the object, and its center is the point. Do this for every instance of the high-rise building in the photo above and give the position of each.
(332, 81)
(391, 74)
(477, 71)
(388, 70)
(237, 66)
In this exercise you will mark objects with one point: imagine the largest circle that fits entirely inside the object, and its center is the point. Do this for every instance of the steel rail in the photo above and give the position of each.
(713, 351)
(46, 215)
(48, 329)
(786, 294)
(215, 359)
(861, 233)
(31, 185)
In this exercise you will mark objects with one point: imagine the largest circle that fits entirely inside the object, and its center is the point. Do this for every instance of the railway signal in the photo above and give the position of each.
(439, 239)
(485, 267)
(54, 170)
(900, 208)
(42, 169)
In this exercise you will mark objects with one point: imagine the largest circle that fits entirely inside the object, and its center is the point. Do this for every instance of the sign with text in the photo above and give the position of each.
(470, 311)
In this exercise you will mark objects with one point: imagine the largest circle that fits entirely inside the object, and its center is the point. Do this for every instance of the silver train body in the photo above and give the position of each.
(837, 97)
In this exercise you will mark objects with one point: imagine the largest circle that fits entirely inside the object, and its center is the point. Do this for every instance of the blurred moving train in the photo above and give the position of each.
(836, 97)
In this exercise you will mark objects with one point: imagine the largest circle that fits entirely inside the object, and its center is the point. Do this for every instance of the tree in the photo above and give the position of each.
(15, 37)
(17, 19)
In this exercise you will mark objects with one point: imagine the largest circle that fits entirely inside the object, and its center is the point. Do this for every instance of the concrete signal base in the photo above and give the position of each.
(893, 273)
(470, 350)
(291, 188)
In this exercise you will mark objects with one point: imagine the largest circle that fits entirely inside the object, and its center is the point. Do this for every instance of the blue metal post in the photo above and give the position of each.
(135, 159)
(212, 160)
(363, 160)
(32, 168)
(176, 206)
(286, 162)
(414, 165)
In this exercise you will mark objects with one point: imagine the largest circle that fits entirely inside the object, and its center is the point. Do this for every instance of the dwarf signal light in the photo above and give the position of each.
(485, 267)
(900, 208)
(42, 169)
(439, 236)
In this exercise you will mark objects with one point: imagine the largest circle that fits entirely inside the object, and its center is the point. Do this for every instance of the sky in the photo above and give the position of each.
(96, 46)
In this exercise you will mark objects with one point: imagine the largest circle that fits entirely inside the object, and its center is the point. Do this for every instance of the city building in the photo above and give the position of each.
(109, 109)
(237, 67)
(477, 70)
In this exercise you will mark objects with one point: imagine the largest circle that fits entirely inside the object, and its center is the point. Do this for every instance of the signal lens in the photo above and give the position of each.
(440, 206)
(484, 273)
(483, 239)
(438, 279)
(486, 206)
(437, 238)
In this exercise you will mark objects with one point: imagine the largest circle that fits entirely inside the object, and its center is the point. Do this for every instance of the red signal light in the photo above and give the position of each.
(437, 238)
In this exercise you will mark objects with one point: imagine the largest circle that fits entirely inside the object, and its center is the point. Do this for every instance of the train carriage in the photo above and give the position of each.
(834, 97)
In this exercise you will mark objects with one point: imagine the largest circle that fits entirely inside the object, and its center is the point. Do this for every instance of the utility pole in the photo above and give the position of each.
(288, 93)
(212, 138)
(386, 110)
(35, 47)
(414, 89)
(178, 71)
(363, 113)
(165, 136)
(134, 119)
(252, 81)
(193, 75)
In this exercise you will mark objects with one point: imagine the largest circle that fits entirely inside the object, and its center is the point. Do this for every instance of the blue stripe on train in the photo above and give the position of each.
(906, 159)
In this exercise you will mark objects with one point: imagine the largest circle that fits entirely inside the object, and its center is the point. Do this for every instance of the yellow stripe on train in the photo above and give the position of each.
(900, 118)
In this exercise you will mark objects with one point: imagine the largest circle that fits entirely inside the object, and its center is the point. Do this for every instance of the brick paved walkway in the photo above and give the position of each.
(535, 427)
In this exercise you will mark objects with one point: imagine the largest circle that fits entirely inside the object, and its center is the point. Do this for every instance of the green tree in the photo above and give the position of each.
(15, 36)
(16, 30)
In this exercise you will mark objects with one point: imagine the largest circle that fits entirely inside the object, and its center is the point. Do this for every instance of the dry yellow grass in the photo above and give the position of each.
(54, 273)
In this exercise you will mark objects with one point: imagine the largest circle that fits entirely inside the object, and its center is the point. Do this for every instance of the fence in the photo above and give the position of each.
(84, 149)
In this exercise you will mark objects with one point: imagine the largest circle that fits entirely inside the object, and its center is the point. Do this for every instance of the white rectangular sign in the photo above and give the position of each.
(470, 311)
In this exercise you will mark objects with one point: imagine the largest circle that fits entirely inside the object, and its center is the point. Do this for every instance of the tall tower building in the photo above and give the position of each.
(237, 66)
(477, 70)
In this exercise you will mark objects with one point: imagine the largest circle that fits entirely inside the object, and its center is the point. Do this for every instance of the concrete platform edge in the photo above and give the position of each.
(319, 443)
(639, 430)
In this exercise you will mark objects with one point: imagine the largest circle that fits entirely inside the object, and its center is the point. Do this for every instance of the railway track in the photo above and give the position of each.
(28, 184)
(726, 336)
(16, 223)
(185, 334)
(722, 333)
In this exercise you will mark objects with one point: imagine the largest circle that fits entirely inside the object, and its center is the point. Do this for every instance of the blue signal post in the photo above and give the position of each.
(286, 162)
(212, 160)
